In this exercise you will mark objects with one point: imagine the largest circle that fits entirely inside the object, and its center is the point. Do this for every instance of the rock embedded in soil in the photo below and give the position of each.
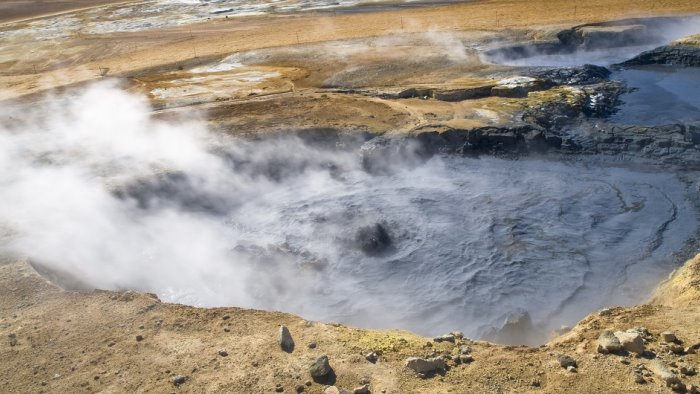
(631, 341)
(445, 338)
(668, 337)
(663, 373)
(362, 390)
(567, 361)
(372, 357)
(178, 379)
(320, 368)
(608, 343)
(285, 340)
(425, 366)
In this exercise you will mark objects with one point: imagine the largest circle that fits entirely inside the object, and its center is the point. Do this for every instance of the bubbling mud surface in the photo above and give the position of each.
(97, 193)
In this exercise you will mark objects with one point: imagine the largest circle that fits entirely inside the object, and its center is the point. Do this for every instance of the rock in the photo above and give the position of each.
(571, 369)
(445, 338)
(693, 389)
(335, 390)
(425, 366)
(13, 338)
(567, 361)
(139, 338)
(687, 371)
(458, 334)
(631, 341)
(465, 349)
(639, 379)
(465, 358)
(320, 368)
(663, 373)
(284, 338)
(279, 389)
(587, 74)
(373, 239)
(535, 383)
(678, 387)
(312, 345)
(362, 390)
(608, 343)
(676, 348)
(371, 357)
(300, 388)
(223, 353)
(516, 87)
(689, 350)
(178, 379)
(669, 337)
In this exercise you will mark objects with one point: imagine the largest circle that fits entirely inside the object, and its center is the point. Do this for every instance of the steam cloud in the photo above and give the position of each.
(100, 194)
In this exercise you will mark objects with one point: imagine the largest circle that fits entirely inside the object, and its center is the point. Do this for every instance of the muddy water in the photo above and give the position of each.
(476, 240)
(660, 95)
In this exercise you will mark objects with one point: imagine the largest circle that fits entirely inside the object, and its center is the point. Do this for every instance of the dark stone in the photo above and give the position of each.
(678, 55)
(320, 369)
(373, 239)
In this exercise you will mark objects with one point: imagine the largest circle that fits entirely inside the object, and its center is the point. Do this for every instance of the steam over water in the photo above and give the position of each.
(98, 192)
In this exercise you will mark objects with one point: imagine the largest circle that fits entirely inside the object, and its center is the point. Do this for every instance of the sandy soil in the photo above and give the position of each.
(60, 341)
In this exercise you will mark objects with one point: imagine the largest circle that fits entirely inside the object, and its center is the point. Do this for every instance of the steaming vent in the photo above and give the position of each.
(370, 233)
(604, 43)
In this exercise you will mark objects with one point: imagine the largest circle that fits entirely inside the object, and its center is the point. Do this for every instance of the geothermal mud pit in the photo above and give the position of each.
(427, 243)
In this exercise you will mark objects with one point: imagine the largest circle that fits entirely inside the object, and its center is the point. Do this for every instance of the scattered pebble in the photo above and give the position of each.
(178, 380)
(371, 357)
(312, 345)
(139, 338)
(300, 388)
(223, 353)
(567, 361)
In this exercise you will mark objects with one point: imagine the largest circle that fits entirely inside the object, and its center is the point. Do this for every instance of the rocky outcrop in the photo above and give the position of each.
(678, 55)
(424, 366)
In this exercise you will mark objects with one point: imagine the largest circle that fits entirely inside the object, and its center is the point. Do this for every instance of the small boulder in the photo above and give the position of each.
(567, 361)
(665, 374)
(445, 338)
(362, 390)
(676, 348)
(631, 341)
(178, 379)
(285, 339)
(668, 337)
(320, 368)
(464, 349)
(608, 343)
(425, 366)
(687, 371)
(465, 358)
(371, 357)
